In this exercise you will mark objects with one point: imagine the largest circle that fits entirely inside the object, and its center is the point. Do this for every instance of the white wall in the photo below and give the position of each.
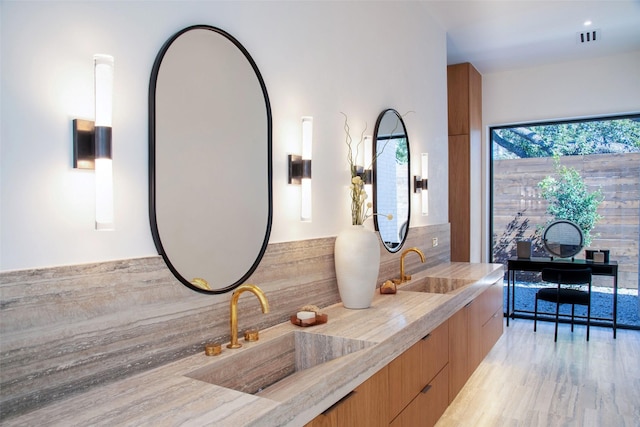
(317, 58)
(578, 89)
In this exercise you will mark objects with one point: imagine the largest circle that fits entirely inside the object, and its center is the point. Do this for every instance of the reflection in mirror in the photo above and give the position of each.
(209, 159)
(391, 179)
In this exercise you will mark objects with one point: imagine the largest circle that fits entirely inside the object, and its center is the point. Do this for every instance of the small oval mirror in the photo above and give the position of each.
(391, 178)
(209, 159)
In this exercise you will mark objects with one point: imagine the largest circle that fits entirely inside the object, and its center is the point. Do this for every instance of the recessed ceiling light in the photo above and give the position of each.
(587, 23)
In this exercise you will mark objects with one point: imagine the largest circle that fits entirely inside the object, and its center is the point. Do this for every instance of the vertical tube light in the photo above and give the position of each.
(368, 165)
(103, 75)
(425, 180)
(307, 143)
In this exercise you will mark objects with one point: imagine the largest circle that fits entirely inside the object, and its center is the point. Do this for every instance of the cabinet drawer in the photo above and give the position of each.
(492, 331)
(416, 367)
(363, 407)
(489, 301)
(429, 404)
(458, 352)
(435, 352)
(405, 379)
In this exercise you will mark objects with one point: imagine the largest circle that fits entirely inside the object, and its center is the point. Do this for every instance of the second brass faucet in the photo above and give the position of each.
(233, 321)
(405, 277)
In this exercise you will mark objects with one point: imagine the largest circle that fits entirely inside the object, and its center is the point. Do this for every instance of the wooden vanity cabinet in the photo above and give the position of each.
(473, 331)
(409, 391)
(418, 381)
(415, 388)
(366, 406)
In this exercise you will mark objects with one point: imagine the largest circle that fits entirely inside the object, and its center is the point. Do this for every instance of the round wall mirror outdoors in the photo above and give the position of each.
(563, 239)
(391, 179)
(210, 196)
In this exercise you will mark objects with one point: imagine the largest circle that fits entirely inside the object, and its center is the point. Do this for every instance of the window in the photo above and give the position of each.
(586, 171)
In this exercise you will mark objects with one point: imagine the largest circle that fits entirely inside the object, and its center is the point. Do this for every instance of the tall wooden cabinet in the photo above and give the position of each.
(464, 93)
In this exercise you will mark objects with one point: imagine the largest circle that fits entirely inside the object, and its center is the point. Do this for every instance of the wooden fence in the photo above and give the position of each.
(515, 189)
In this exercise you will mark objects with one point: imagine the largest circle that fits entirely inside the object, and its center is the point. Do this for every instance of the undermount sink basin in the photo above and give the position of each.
(437, 285)
(254, 370)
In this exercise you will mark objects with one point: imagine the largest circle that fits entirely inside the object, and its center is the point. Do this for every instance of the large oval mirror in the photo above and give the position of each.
(391, 178)
(209, 159)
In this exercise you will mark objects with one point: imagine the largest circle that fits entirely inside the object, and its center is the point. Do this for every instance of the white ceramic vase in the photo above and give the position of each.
(357, 259)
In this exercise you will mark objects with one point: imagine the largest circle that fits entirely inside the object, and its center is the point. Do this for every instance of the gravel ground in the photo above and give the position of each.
(601, 303)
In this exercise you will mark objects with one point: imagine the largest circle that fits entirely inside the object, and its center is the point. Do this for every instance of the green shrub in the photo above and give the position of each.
(569, 198)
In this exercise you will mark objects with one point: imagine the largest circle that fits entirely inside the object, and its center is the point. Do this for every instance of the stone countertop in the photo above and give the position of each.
(167, 396)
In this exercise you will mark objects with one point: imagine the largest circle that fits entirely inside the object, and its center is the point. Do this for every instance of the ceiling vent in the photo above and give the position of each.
(591, 36)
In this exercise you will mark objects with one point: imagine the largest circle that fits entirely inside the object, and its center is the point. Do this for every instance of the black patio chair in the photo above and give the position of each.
(563, 295)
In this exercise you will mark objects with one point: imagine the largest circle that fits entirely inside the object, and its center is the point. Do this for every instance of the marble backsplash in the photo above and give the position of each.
(65, 330)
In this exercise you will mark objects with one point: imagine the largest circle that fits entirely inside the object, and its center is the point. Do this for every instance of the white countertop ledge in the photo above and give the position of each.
(166, 396)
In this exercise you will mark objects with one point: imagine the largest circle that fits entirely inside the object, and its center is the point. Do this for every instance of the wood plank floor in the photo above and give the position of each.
(528, 380)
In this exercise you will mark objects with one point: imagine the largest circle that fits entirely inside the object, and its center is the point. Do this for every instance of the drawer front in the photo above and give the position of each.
(363, 407)
(416, 367)
(492, 331)
(458, 352)
(435, 352)
(489, 301)
(428, 406)
(405, 379)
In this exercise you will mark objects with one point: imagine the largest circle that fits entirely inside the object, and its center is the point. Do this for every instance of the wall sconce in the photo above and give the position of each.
(92, 141)
(362, 161)
(367, 175)
(368, 161)
(421, 183)
(300, 169)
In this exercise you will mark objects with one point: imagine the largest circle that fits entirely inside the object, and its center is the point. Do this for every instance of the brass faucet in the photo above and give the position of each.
(234, 310)
(405, 277)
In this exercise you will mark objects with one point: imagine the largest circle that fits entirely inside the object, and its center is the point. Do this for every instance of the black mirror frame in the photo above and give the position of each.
(152, 155)
(374, 170)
